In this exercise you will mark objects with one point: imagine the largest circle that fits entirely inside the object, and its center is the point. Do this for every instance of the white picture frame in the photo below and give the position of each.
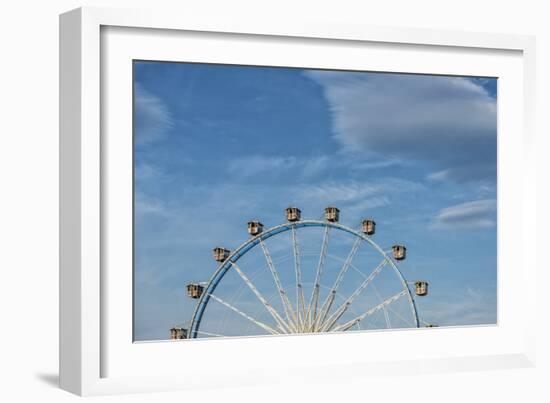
(96, 354)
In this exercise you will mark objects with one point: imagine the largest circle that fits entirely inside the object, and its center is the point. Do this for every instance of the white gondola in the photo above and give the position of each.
(399, 252)
(332, 214)
(255, 227)
(178, 333)
(369, 227)
(421, 288)
(221, 254)
(194, 290)
(293, 214)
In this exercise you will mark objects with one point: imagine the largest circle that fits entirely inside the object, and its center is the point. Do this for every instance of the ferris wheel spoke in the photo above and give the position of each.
(371, 311)
(300, 300)
(289, 310)
(331, 321)
(312, 308)
(386, 315)
(284, 326)
(408, 322)
(210, 334)
(329, 300)
(244, 315)
(389, 308)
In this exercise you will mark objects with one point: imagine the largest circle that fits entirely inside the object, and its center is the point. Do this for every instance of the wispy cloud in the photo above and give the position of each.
(379, 163)
(148, 205)
(305, 167)
(449, 121)
(257, 165)
(315, 166)
(335, 192)
(247, 167)
(146, 171)
(438, 176)
(474, 214)
(466, 306)
(344, 191)
(354, 198)
(152, 117)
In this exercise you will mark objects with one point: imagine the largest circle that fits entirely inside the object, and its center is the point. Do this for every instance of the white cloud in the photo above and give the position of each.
(474, 214)
(152, 117)
(449, 121)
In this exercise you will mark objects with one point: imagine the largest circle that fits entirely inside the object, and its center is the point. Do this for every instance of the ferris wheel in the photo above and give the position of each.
(305, 276)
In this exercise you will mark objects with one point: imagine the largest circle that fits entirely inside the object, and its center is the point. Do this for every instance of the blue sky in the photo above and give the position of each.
(216, 146)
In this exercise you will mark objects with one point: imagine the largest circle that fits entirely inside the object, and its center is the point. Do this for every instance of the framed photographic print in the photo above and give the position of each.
(218, 147)
(234, 194)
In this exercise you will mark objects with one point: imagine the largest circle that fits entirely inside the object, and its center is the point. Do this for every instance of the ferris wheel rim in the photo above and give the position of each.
(253, 241)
